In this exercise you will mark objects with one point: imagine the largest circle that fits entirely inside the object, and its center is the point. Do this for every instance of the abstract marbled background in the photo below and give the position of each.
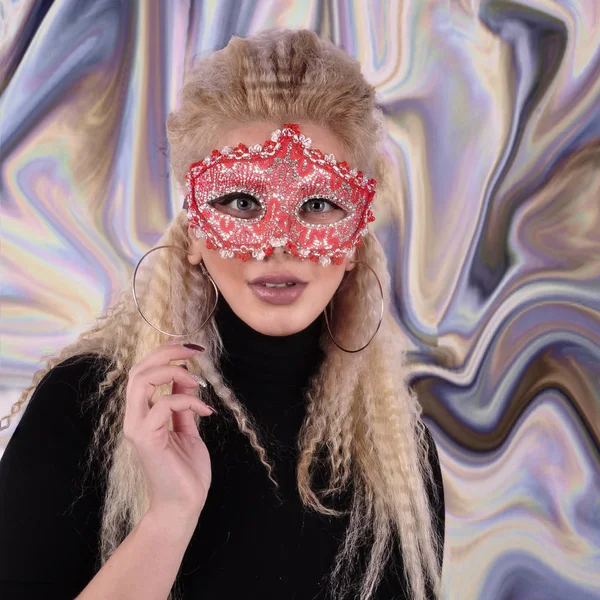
(493, 109)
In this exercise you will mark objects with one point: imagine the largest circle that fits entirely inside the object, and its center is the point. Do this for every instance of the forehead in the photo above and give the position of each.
(259, 131)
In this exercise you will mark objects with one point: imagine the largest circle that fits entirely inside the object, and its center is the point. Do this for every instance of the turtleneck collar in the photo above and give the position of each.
(250, 355)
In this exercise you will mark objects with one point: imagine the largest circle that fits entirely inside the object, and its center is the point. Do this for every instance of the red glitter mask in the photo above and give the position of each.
(278, 183)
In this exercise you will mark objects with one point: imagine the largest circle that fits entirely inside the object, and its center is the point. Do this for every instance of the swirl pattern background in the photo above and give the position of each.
(493, 109)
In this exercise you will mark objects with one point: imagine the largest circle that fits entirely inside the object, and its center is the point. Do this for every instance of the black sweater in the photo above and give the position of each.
(248, 544)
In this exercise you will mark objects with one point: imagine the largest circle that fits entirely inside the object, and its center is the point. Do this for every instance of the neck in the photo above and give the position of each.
(253, 356)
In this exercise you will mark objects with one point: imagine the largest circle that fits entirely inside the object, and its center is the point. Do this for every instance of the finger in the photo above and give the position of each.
(179, 388)
(163, 355)
(142, 384)
(162, 410)
(184, 422)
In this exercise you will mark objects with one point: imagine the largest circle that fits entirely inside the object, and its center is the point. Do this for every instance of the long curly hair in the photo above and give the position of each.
(360, 412)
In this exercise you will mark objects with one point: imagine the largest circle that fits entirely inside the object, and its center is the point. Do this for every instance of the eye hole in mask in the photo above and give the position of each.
(314, 211)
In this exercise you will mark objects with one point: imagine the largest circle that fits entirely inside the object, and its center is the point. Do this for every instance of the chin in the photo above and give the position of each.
(276, 330)
(274, 319)
(279, 320)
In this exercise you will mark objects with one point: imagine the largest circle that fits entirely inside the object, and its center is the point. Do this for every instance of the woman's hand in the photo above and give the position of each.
(176, 464)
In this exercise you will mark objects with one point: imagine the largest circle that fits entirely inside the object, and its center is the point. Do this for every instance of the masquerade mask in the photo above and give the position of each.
(247, 201)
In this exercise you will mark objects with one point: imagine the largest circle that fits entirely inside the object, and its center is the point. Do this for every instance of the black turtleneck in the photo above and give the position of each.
(251, 542)
(269, 373)
(256, 359)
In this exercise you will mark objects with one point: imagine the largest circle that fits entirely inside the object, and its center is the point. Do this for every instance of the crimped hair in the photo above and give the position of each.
(360, 411)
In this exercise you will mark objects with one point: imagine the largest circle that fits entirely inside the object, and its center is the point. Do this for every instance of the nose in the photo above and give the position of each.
(280, 255)
(280, 250)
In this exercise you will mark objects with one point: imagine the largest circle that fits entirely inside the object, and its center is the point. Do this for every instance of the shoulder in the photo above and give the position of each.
(50, 493)
(392, 585)
(75, 375)
(61, 395)
(55, 428)
(434, 459)
(436, 491)
(76, 370)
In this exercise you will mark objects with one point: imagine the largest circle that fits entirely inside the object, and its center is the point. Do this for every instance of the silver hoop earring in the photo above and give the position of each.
(204, 272)
(380, 316)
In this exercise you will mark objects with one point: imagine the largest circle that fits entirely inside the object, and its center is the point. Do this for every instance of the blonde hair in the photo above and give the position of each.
(360, 411)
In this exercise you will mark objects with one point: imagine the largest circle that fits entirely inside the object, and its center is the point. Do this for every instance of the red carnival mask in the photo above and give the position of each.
(280, 178)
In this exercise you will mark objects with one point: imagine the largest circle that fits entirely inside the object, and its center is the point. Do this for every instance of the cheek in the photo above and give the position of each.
(227, 272)
(328, 279)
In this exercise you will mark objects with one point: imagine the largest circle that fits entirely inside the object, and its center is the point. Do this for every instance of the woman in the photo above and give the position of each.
(317, 477)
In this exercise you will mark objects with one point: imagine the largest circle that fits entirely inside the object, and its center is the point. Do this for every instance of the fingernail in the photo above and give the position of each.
(211, 408)
(199, 380)
(194, 347)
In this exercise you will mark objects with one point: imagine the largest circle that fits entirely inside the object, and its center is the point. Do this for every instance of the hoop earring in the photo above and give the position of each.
(204, 272)
(380, 316)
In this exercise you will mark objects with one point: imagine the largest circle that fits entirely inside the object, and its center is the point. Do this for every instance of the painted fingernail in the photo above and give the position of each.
(199, 380)
(194, 347)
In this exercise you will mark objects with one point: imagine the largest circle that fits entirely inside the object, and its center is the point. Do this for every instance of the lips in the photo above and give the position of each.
(277, 278)
(278, 288)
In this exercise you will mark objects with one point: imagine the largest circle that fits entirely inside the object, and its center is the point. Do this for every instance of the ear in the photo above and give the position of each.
(349, 263)
(195, 248)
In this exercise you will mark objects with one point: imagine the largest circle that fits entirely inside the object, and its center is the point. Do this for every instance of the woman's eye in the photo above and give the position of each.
(320, 210)
(238, 205)
(245, 206)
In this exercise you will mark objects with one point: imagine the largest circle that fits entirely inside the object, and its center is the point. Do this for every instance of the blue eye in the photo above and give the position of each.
(321, 211)
(323, 206)
(238, 204)
(245, 206)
